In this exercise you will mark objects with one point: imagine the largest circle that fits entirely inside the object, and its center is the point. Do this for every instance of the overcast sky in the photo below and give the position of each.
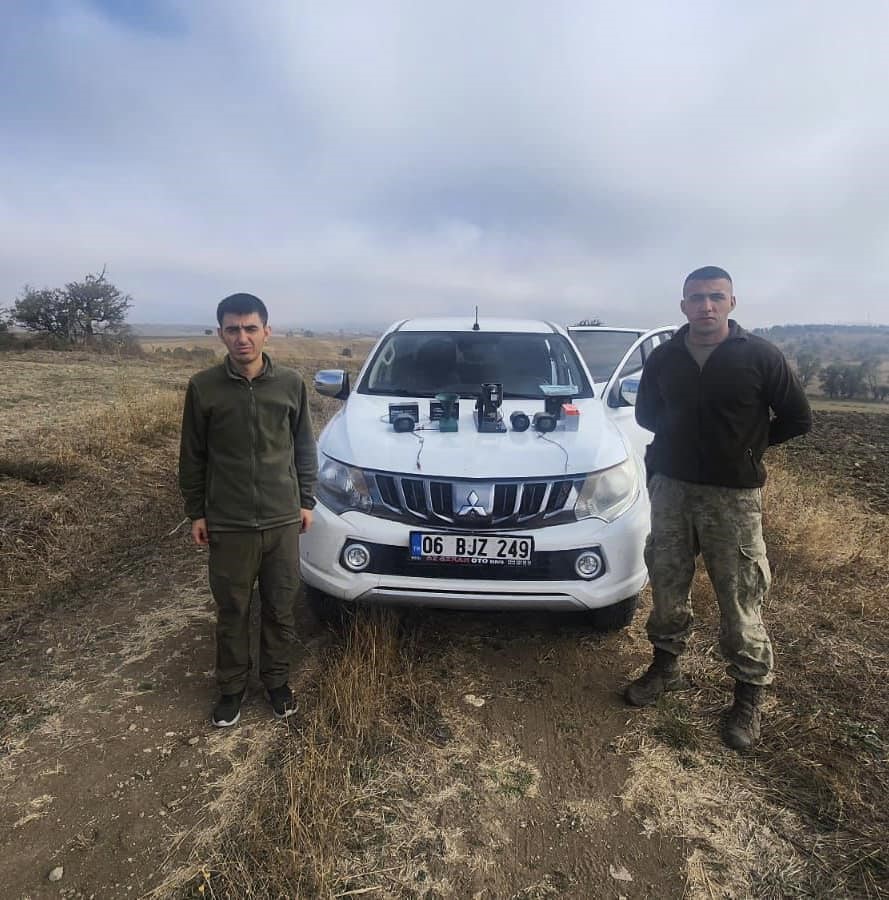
(354, 163)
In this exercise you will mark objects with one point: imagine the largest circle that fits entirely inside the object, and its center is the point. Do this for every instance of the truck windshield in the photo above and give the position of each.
(425, 363)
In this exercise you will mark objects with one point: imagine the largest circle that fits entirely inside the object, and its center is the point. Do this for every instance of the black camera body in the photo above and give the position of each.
(487, 408)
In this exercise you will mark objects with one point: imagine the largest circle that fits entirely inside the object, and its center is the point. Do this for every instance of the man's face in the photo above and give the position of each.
(707, 305)
(244, 336)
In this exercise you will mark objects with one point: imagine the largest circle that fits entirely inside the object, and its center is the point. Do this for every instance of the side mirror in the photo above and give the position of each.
(629, 389)
(332, 383)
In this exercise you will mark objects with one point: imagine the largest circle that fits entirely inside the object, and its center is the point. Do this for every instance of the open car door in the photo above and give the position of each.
(619, 394)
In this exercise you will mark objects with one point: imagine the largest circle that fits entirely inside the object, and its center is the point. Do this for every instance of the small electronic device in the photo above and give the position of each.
(487, 408)
(404, 416)
(445, 409)
(570, 417)
(403, 422)
(519, 421)
(557, 394)
(404, 409)
(544, 422)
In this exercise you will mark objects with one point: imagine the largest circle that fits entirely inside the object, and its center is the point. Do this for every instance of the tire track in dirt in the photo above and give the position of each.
(108, 763)
(537, 700)
(111, 770)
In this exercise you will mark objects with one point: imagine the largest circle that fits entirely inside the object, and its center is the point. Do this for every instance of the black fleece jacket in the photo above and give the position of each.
(712, 425)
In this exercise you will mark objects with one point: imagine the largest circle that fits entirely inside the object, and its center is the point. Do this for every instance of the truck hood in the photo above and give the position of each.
(360, 435)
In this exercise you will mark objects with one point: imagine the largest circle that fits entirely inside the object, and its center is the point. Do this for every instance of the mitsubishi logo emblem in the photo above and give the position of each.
(474, 506)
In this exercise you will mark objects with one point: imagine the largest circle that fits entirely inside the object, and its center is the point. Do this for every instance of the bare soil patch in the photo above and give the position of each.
(850, 447)
(435, 755)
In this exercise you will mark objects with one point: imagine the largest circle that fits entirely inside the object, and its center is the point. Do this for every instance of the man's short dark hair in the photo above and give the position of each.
(706, 273)
(242, 305)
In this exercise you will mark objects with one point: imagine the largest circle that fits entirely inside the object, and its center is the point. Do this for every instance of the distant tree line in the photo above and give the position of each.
(850, 381)
(846, 381)
(831, 342)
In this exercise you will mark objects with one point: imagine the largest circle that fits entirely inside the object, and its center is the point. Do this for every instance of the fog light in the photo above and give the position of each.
(588, 564)
(356, 557)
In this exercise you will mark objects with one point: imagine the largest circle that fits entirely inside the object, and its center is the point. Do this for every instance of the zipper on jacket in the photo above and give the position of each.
(253, 442)
(702, 455)
(699, 404)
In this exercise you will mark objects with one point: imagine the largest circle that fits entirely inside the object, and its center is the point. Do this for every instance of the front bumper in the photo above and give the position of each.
(620, 544)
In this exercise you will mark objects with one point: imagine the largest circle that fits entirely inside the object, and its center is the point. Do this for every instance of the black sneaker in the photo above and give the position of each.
(282, 701)
(227, 710)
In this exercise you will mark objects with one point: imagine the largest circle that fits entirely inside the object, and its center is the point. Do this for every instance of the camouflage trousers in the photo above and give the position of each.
(724, 525)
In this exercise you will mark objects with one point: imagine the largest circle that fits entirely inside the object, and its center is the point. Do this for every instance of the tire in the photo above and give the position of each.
(617, 616)
(327, 610)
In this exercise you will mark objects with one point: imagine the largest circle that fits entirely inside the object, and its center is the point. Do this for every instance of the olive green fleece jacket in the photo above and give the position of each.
(247, 457)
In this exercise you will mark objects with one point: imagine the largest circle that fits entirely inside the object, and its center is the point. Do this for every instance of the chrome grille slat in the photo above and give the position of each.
(515, 503)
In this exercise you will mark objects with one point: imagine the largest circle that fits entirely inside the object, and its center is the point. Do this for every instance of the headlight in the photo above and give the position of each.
(342, 487)
(609, 493)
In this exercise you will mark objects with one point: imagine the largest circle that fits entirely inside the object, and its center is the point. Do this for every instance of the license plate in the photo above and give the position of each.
(471, 548)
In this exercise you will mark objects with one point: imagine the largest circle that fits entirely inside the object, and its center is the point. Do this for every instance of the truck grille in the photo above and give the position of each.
(473, 504)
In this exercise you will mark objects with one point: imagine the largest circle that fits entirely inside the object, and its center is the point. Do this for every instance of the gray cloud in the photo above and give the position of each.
(358, 162)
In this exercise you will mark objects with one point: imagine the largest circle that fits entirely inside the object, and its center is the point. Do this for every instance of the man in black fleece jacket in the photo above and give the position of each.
(715, 397)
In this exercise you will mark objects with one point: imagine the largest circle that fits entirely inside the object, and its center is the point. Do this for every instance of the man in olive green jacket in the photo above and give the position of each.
(247, 473)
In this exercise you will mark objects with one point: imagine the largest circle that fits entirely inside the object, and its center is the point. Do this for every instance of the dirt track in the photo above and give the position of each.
(111, 771)
(109, 767)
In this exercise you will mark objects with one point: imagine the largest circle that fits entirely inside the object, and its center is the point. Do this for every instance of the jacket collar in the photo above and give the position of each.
(268, 369)
(735, 333)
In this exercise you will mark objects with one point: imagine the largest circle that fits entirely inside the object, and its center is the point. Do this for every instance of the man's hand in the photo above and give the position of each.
(305, 519)
(200, 532)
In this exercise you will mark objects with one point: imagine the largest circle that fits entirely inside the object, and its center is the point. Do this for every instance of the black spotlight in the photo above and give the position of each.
(519, 421)
(545, 422)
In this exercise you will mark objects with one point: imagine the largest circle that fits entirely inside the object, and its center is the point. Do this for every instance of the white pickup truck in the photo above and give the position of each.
(483, 464)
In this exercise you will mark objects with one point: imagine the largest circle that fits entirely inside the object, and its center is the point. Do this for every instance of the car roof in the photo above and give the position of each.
(467, 324)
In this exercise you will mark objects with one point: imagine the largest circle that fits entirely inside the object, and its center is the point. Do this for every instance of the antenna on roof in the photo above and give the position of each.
(475, 326)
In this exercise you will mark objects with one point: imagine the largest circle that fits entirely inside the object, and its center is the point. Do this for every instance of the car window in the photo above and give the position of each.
(603, 350)
(415, 363)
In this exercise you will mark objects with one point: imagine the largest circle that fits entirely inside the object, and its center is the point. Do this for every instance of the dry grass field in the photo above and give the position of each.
(435, 755)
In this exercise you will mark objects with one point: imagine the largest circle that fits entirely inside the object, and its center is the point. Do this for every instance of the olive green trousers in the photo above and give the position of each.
(237, 560)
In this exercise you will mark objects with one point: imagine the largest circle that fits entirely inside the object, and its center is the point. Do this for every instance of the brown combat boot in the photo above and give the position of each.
(740, 726)
(661, 676)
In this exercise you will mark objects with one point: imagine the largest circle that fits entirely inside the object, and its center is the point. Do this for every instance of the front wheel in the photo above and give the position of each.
(617, 616)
